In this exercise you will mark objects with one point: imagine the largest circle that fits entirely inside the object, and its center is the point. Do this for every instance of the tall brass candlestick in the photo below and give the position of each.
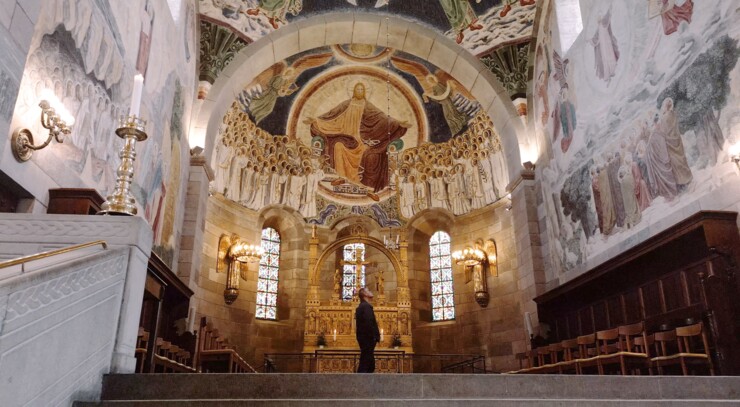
(121, 202)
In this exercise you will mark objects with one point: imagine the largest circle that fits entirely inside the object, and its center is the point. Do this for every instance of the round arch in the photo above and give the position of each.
(344, 28)
(370, 241)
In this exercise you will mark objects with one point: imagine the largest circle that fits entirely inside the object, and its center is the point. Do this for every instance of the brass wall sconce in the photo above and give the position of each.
(233, 257)
(54, 118)
(479, 260)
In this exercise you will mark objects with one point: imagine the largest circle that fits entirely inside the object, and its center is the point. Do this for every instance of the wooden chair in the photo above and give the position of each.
(140, 353)
(691, 344)
(623, 353)
(643, 345)
(570, 354)
(587, 353)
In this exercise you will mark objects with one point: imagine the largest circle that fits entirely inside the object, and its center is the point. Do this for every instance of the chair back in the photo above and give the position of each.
(555, 350)
(688, 336)
(607, 341)
(664, 342)
(570, 349)
(586, 345)
(628, 335)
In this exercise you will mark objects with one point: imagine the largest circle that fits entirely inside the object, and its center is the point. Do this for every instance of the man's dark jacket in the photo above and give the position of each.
(367, 326)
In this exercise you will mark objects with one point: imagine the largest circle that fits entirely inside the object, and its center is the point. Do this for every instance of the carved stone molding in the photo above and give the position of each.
(49, 292)
(510, 64)
(218, 47)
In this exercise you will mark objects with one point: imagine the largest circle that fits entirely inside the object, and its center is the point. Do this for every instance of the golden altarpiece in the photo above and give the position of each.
(334, 317)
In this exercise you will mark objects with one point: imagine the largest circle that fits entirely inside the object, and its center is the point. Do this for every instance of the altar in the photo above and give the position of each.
(330, 325)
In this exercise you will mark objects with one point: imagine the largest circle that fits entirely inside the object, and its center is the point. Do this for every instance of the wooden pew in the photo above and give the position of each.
(215, 355)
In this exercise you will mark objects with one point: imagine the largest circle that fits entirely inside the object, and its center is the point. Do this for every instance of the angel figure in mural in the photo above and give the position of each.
(441, 88)
(357, 135)
(461, 16)
(671, 14)
(508, 3)
(605, 46)
(261, 95)
(276, 10)
(564, 112)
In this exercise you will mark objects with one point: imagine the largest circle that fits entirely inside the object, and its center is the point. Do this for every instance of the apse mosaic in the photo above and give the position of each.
(669, 71)
(479, 25)
(358, 129)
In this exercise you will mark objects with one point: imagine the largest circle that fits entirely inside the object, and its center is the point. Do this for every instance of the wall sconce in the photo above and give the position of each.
(233, 257)
(479, 260)
(735, 154)
(54, 117)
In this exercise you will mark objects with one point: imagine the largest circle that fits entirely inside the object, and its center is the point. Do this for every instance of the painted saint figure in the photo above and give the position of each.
(357, 135)
(461, 16)
(606, 51)
(674, 145)
(276, 10)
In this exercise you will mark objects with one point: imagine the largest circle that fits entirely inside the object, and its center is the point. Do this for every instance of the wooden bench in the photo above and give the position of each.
(215, 355)
(171, 359)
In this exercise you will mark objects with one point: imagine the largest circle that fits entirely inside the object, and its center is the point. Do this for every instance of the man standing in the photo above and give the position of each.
(367, 331)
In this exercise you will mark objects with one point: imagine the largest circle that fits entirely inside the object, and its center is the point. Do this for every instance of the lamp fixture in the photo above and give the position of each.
(735, 154)
(54, 117)
(245, 253)
(390, 242)
(478, 261)
(233, 256)
(469, 257)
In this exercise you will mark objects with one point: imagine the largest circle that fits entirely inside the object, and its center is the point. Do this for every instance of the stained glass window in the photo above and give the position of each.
(351, 253)
(267, 283)
(440, 267)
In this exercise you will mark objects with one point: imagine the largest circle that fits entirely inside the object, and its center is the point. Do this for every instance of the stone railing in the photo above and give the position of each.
(65, 323)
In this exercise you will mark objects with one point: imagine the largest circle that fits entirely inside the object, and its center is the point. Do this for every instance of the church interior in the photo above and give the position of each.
(542, 195)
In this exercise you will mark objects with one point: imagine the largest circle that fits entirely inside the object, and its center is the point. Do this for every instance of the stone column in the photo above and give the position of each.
(194, 223)
(531, 279)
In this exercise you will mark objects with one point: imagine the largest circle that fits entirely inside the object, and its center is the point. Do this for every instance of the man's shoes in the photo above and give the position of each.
(526, 2)
(475, 25)
(273, 23)
(373, 196)
(337, 182)
(460, 37)
(253, 11)
(505, 11)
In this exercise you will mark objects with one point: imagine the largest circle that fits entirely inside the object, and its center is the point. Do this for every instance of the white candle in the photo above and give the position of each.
(335, 335)
(528, 322)
(381, 335)
(136, 96)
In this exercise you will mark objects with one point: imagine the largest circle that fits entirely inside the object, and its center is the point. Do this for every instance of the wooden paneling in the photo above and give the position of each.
(680, 276)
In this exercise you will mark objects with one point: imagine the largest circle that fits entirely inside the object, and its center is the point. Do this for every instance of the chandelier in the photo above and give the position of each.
(469, 256)
(245, 253)
(391, 243)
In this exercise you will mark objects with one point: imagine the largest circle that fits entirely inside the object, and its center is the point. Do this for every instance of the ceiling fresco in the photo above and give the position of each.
(480, 26)
(358, 129)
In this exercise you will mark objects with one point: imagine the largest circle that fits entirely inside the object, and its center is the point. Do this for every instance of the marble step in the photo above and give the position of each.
(413, 403)
(414, 387)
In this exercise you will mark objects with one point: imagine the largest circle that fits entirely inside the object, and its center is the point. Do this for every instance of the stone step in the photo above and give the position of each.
(414, 387)
(413, 403)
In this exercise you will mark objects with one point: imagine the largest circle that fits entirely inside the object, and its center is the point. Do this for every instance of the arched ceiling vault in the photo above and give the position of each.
(365, 28)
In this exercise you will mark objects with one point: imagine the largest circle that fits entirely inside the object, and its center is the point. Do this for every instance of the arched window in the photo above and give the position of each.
(267, 283)
(440, 267)
(351, 254)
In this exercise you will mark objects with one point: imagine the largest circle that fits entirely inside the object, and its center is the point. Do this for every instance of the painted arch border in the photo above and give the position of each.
(345, 28)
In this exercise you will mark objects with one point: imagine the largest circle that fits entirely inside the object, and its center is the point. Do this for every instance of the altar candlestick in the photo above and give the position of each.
(381, 335)
(335, 335)
(136, 96)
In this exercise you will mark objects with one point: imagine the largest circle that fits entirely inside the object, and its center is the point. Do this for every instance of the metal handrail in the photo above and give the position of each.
(43, 255)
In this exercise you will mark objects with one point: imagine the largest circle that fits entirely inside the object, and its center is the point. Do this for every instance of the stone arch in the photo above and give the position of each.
(287, 221)
(362, 27)
(401, 272)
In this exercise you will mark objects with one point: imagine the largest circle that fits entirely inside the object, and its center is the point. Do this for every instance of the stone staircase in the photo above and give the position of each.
(287, 390)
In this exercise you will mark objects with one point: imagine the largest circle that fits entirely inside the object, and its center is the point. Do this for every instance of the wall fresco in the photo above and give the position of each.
(638, 118)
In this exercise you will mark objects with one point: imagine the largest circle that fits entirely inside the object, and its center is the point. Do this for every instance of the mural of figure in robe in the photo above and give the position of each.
(672, 15)
(261, 95)
(458, 105)
(357, 135)
(461, 16)
(276, 10)
(606, 51)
